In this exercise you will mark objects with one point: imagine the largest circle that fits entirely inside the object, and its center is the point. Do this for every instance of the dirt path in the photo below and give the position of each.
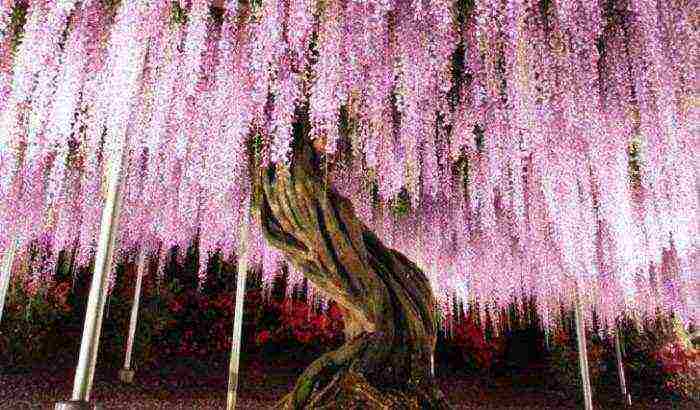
(263, 384)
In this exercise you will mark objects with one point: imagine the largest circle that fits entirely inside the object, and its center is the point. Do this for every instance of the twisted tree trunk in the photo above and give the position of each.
(390, 309)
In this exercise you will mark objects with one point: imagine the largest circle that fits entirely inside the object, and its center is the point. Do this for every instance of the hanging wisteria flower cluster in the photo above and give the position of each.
(516, 147)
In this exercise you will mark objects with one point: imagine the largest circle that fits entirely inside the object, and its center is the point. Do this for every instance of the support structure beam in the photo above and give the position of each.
(583, 354)
(450, 328)
(621, 370)
(126, 375)
(432, 355)
(6, 273)
(234, 363)
(101, 310)
(84, 373)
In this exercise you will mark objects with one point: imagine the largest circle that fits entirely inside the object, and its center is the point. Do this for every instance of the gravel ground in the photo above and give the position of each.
(262, 384)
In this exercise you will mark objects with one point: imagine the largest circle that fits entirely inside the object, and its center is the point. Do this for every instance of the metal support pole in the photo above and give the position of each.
(451, 327)
(621, 370)
(126, 375)
(432, 353)
(110, 265)
(238, 316)
(508, 323)
(89, 344)
(6, 273)
(583, 355)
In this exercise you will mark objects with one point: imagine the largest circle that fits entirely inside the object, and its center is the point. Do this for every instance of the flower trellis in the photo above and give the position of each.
(532, 147)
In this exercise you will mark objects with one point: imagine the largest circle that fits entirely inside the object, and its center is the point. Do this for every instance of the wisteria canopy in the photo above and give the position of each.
(512, 147)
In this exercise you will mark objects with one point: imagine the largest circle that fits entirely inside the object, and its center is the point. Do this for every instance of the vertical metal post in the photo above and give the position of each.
(432, 353)
(89, 344)
(583, 354)
(6, 273)
(450, 327)
(508, 324)
(238, 316)
(621, 370)
(110, 265)
(126, 375)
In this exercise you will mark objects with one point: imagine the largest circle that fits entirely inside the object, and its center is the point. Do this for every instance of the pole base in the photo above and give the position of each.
(72, 405)
(126, 376)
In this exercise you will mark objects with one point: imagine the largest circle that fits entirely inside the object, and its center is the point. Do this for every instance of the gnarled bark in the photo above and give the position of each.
(390, 309)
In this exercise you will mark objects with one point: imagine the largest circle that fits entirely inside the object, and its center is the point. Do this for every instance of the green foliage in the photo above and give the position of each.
(176, 319)
(255, 5)
(374, 191)
(346, 124)
(178, 15)
(463, 167)
(304, 391)
(31, 323)
(464, 8)
(111, 5)
(635, 158)
(401, 205)
(660, 356)
(681, 368)
(564, 370)
(258, 143)
(17, 21)
(545, 6)
(479, 138)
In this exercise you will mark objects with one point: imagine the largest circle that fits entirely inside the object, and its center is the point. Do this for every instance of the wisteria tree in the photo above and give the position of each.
(539, 147)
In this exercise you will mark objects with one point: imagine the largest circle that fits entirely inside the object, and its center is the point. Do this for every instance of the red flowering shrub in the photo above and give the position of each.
(681, 365)
(469, 339)
(59, 294)
(176, 318)
(466, 348)
(299, 325)
(31, 322)
(661, 358)
(262, 337)
(180, 322)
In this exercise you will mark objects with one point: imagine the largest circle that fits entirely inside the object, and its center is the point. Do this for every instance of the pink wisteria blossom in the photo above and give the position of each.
(491, 144)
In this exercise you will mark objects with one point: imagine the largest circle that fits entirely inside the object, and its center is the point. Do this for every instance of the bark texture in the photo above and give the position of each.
(389, 305)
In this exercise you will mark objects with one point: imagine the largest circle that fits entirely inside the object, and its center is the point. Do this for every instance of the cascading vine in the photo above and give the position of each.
(490, 141)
